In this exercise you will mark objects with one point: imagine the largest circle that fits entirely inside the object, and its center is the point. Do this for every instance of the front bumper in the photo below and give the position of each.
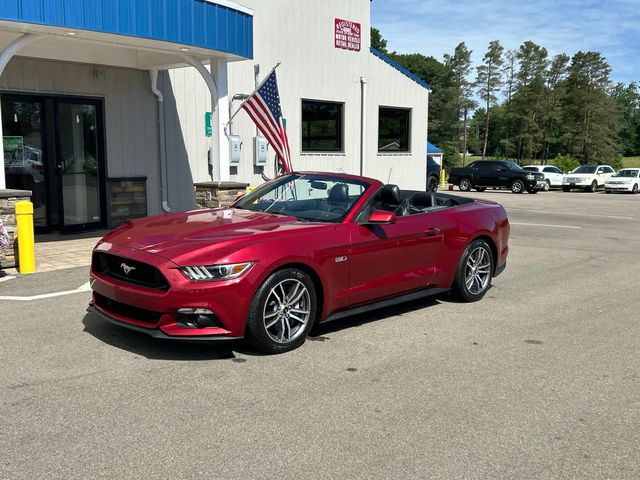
(156, 312)
(154, 332)
(618, 188)
(535, 184)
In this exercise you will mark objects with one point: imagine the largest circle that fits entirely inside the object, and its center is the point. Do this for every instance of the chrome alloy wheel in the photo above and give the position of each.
(287, 311)
(478, 271)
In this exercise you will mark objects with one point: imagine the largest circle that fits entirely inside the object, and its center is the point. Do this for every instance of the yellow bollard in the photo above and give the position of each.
(443, 178)
(26, 243)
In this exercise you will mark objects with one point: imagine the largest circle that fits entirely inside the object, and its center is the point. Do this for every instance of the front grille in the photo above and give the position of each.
(125, 310)
(129, 271)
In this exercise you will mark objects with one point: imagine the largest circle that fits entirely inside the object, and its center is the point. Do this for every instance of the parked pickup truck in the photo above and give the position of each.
(496, 173)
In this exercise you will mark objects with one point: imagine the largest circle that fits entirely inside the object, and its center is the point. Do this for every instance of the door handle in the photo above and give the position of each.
(432, 231)
(60, 168)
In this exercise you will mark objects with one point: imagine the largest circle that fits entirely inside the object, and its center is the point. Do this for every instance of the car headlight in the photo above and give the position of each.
(530, 176)
(208, 273)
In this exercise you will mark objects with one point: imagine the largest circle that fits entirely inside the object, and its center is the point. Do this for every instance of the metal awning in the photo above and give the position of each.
(130, 33)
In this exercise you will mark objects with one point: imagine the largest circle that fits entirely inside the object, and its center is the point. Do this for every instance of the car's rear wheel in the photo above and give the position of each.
(282, 311)
(517, 186)
(593, 187)
(474, 272)
(547, 185)
(465, 185)
(432, 184)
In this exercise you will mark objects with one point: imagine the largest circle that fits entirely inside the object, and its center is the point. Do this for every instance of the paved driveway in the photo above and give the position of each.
(540, 380)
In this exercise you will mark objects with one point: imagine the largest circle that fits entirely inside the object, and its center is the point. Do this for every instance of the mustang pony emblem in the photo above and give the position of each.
(126, 268)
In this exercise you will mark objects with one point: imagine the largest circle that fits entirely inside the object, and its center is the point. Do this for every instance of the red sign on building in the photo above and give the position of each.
(347, 35)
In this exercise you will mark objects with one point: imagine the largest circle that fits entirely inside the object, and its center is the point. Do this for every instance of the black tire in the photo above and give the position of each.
(593, 187)
(464, 185)
(432, 184)
(566, 189)
(481, 189)
(517, 186)
(464, 272)
(634, 190)
(547, 185)
(263, 327)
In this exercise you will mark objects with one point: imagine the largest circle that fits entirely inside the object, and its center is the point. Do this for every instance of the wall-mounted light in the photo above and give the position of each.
(184, 49)
(71, 34)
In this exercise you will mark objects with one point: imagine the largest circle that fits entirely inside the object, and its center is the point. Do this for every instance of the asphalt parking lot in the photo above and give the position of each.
(540, 380)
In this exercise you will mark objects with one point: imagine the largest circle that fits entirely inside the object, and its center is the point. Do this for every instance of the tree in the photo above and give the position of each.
(459, 66)
(509, 72)
(489, 81)
(590, 113)
(377, 41)
(627, 98)
(555, 88)
(529, 99)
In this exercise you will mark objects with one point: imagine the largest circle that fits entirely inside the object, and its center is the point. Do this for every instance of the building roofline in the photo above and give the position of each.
(400, 68)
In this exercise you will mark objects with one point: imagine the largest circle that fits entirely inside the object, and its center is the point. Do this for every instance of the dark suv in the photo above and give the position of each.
(496, 173)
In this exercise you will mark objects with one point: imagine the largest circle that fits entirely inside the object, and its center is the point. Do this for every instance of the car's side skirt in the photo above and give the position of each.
(385, 303)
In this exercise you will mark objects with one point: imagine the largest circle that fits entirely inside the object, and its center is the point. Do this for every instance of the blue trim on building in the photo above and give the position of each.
(431, 148)
(400, 68)
(196, 23)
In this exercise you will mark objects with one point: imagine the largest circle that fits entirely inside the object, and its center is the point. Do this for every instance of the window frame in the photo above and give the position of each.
(339, 130)
(409, 129)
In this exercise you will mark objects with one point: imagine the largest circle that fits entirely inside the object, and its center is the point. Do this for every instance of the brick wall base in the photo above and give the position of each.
(8, 199)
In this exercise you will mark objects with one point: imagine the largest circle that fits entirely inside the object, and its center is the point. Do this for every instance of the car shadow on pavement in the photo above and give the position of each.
(374, 315)
(158, 349)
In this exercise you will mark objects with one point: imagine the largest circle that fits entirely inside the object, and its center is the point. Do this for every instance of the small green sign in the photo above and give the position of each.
(208, 130)
(12, 143)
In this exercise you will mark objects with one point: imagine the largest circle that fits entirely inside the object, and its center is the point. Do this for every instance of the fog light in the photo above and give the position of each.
(197, 318)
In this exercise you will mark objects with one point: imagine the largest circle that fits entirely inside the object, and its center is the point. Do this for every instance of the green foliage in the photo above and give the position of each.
(377, 41)
(617, 162)
(450, 158)
(565, 163)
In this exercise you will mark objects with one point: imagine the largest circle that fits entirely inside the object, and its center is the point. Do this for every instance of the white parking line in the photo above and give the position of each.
(545, 225)
(82, 288)
(577, 214)
(6, 279)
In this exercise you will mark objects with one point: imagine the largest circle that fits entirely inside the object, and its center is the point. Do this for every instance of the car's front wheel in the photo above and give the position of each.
(634, 190)
(547, 185)
(474, 272)
(282, 311)
(517, 186)
(432, 184)
(593, 187)
(465, 185)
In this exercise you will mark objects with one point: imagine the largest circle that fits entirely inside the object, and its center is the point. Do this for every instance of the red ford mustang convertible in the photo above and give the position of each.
(298, 250)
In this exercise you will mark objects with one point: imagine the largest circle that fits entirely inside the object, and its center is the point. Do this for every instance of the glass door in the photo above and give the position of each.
(25, 155)
(79, 163)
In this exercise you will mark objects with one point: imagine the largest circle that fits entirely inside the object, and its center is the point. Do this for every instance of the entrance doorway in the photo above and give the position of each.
(53, 146)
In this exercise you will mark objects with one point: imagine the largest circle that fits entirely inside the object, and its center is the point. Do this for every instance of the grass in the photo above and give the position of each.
(631, 162)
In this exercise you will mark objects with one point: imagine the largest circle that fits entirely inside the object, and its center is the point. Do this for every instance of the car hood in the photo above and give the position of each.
(183, 237)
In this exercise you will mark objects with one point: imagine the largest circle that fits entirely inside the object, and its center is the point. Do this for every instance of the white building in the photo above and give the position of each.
(104, 116)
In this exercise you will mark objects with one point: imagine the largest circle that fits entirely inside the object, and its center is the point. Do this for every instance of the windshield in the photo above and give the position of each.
(312, 198)
(627, 173)
(586, 169)
(513, 165)
(531, 169)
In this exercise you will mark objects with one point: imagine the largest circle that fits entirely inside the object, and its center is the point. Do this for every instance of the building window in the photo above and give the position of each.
(321, 126)
(394, 129)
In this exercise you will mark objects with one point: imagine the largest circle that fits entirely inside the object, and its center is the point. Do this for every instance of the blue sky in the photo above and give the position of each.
(435, 27)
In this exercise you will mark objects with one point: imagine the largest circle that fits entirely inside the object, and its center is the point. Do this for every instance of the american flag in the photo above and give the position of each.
(263, 106)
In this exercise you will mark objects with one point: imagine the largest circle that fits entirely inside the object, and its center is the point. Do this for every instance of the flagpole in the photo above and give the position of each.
(246, 99)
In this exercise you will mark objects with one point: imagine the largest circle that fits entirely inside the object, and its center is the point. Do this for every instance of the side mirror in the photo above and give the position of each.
(381, 217)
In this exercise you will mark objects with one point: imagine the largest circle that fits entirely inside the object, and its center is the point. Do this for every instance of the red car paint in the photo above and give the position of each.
(353, 263)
